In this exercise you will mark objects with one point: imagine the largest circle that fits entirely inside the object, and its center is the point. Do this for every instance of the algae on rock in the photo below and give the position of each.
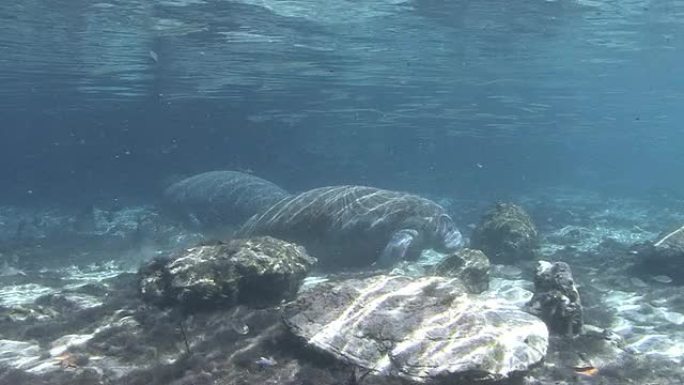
(256, 271)
(506, 234)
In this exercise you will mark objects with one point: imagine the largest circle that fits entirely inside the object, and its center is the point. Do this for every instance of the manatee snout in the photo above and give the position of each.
(448, 235)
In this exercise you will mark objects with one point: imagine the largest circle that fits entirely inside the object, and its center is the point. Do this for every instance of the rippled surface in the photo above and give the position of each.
(492, 94)
(465, 66)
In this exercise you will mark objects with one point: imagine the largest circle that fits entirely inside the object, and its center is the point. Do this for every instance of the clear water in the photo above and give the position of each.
(464, 97)
(571, 108)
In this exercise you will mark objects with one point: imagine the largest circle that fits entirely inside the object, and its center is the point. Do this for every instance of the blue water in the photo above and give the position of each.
(112, 99)
(572, 109)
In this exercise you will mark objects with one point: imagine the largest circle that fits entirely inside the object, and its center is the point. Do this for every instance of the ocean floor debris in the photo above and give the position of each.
(67, 320)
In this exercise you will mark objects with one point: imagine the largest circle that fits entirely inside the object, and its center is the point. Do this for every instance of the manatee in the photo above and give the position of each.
(353, 226)
(221, 198)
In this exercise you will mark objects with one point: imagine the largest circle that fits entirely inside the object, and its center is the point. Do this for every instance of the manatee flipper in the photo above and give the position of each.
(397, 247)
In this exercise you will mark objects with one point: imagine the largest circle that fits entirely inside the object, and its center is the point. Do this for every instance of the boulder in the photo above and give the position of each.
(256, 271)
(470, 265)
(418, 329)
(664, 256)
(506, 234)
(556, 299)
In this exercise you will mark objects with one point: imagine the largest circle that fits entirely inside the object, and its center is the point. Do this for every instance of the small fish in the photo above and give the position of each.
(266, 362)
(662, 279)
(154, 56)
(589, 371)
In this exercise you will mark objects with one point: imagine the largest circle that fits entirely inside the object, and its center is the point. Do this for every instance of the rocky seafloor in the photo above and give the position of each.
(71, 310)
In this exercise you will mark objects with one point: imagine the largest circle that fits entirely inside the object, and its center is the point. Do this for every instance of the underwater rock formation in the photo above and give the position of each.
(219, 198)
(470, 265)
(506, 234)
(258, 271)
(664, 256)
(92, 234)
(418, 329)
(345, 226)
(556, 300)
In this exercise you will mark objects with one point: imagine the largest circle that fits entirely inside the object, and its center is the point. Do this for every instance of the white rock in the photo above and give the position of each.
(418, 329)
(60, 345)
(18, 354)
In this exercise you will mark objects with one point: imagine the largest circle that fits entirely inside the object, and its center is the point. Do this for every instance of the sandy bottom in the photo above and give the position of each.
(69, 310)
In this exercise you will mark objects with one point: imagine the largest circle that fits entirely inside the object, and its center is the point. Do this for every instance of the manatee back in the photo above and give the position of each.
(221, 197)
(353, 223)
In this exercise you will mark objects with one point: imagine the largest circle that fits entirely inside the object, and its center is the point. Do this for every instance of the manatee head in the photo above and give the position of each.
(439, 233)
(446, 235)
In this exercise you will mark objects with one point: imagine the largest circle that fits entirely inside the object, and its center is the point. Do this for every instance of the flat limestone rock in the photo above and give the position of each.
(18, 354)
(418, 329)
